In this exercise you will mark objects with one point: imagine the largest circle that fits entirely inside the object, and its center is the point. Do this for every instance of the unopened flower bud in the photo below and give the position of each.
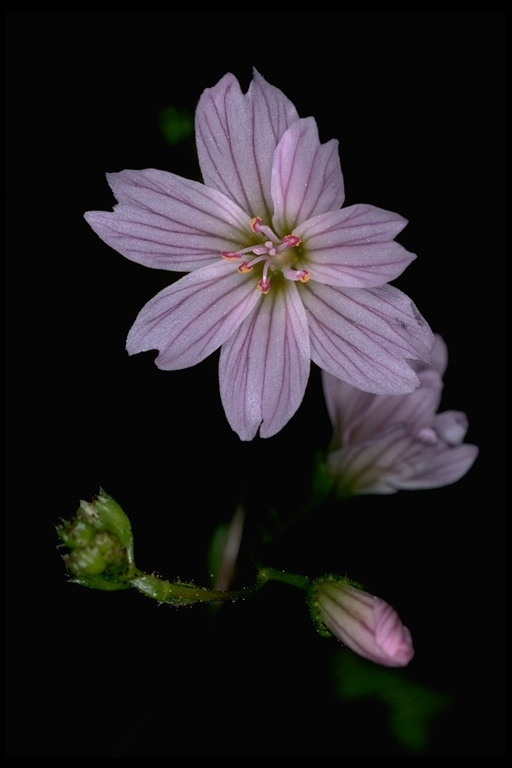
(104, 551)
(100, 541)
(365, 623)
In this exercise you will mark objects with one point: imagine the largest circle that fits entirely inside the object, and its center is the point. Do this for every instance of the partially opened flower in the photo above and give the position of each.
(382, 444)
(365, 623)
(279, 273)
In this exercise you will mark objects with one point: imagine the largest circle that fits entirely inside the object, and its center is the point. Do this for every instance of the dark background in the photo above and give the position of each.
(416, 101)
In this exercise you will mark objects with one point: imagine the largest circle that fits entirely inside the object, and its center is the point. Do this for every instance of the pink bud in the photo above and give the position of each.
(363, 622)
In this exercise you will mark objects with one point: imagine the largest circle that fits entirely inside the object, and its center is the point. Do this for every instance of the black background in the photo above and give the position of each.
(416, 101)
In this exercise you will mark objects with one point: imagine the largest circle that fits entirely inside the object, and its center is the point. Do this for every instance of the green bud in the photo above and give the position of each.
(101, 545)
(106, 515)
(102, 552)
(100, 541)
(76, 533)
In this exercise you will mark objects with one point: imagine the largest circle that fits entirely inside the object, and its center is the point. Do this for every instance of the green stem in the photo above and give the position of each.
(180, 593)
(322, 489)
(272, 574)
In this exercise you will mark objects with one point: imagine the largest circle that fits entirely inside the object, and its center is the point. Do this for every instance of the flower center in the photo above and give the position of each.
(276, 254)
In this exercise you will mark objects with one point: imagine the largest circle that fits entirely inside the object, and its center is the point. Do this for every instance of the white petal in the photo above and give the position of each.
(379, 465)
(306, 176)
(366, 336)
(354, 247)
(166, 222)
(190, 319)
(345, 405)
(446, 466)
(451, 426)
(358, 416)
(236, 137)
(264, 366)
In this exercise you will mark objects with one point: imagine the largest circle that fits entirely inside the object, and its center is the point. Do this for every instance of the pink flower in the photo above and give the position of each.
(279, 273)
(382, 444)
(363, 622)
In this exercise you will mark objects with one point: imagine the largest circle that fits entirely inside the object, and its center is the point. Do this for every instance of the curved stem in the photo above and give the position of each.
(272, 574)
(181, 593)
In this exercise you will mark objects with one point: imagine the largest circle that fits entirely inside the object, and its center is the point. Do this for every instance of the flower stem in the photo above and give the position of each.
(182, 593)
(272, 574)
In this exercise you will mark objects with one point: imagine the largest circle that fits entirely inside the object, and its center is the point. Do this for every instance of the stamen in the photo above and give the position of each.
(301, 275)
(230, 255)
(289, 241)
(270, 253)
(246, 266)
(235, 255)
(257, 226)
(264, 285)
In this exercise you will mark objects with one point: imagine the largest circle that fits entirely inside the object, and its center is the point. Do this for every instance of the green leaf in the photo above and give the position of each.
(411, 707)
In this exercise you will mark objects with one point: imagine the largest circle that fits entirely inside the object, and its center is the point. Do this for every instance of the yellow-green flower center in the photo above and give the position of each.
(275, 253)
